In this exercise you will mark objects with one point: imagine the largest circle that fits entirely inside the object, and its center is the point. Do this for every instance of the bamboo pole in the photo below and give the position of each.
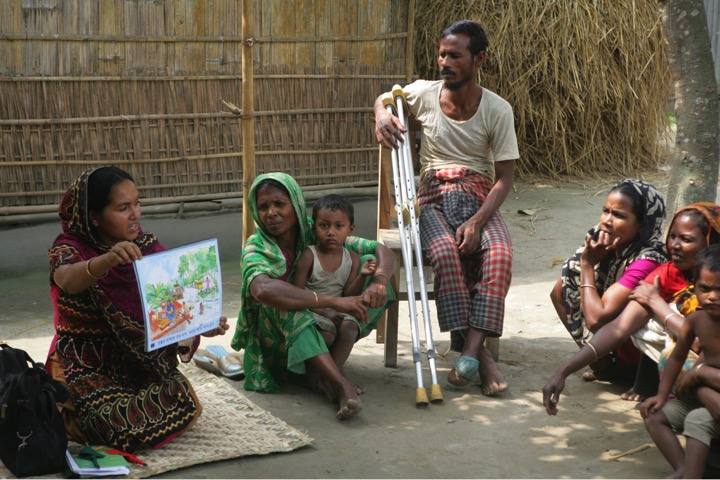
(359, 189)
(193, 158)
(184, 78)
(248, 115)
(177, 116)
(409, 44)
(40, 37)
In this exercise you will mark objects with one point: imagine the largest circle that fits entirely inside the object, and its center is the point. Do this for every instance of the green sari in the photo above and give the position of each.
(278, 340)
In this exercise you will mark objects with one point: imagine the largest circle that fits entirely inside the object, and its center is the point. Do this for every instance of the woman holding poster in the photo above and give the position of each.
(120, 395)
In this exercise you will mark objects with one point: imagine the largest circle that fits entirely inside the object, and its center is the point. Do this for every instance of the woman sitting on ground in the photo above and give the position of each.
(597, 281)
(275, 326)
(666, 294)
(120, 395)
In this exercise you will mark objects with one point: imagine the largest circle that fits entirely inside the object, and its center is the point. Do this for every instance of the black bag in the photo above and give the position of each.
(32, 434)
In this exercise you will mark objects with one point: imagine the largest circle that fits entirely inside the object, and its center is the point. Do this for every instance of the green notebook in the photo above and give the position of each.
(80, 462)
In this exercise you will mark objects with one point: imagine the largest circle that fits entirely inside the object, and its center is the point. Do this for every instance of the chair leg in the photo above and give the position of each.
(391, 335)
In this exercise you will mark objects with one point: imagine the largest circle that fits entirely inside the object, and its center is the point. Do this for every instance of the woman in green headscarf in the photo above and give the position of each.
(275, 325)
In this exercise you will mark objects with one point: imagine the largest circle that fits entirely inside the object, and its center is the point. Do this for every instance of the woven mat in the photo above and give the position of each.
(231, 426)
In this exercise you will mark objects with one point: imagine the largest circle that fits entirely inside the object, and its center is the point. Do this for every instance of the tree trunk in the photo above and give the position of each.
(694, 173)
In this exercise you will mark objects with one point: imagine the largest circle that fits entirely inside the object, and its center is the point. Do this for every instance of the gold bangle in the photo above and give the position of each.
(316, 299)
(588, 285)
(594, 350)
(697, 369)
(87, 270)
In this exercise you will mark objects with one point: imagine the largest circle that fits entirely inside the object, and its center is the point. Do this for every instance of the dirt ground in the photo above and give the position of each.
(468, 435)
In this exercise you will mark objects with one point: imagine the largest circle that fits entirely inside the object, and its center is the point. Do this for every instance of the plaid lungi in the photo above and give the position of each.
(469, 290)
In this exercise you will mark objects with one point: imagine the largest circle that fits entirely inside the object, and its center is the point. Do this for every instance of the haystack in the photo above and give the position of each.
(588, 80)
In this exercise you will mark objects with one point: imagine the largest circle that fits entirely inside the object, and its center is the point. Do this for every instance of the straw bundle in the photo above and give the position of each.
(588, 80)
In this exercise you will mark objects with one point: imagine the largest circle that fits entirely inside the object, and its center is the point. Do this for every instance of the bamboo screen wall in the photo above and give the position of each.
(141, 84)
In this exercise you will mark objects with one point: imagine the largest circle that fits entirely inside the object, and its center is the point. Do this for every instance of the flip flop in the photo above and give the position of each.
(203, 361)
(465, 369)
(230, 365)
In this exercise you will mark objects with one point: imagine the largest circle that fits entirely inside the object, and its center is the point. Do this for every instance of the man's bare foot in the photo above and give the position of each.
(350, 408)
(493, 381)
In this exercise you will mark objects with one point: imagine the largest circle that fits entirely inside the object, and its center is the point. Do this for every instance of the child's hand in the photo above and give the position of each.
(651, 406)
(368, 267)
(689, 380)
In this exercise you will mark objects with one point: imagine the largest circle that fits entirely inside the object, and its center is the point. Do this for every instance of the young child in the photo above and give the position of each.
(329, 268)
(699, 387)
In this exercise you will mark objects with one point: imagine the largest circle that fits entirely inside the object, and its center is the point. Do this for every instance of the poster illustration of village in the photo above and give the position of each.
(181, 291)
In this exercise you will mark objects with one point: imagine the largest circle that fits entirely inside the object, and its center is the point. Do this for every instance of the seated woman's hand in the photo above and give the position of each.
(596, 250)
(220, 330)
(645, 293)
(354, 306)
(375, 295)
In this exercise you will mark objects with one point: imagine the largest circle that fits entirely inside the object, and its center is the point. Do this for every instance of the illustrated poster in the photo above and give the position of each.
(181, 291)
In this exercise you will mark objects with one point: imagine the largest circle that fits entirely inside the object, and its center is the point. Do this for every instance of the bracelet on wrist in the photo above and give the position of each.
(588, 285)
(90, 274)
(594, 350)
(667, 317)
(387, 279)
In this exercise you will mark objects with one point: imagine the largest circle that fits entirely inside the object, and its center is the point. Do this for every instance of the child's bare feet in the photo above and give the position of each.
(493, 381)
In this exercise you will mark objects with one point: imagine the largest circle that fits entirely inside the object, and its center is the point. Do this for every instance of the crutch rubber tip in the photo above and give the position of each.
(436, 395)
(421, 398)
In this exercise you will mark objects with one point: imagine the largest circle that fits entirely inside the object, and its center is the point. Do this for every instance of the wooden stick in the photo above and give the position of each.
(631, 451)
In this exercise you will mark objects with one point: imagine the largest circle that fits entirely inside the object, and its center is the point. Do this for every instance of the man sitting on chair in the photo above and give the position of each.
(468, 151)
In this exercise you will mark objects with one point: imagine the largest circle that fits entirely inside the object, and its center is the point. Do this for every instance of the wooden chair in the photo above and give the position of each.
(388, 234)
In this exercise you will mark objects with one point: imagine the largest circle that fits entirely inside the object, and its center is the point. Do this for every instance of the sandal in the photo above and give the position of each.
(215, 359)
(464, 370)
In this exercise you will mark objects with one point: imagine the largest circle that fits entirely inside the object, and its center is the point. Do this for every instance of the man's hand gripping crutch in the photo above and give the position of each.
(408, 213)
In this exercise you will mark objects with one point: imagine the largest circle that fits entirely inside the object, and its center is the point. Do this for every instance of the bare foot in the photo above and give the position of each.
(631, 396)
(359, 388)
(350, 404)
(456, 379)
(493, 381)
(324, 387)
(348, 409)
